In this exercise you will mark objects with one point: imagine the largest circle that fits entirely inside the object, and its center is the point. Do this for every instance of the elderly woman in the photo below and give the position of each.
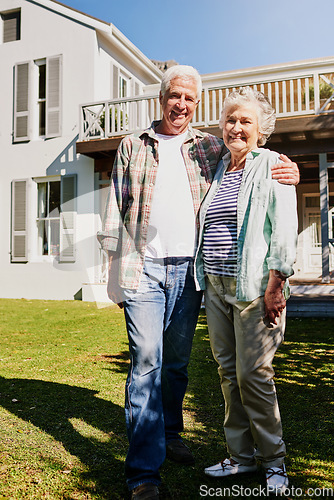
(248, 234)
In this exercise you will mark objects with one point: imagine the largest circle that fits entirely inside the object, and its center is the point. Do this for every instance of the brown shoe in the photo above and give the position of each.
(176, 450)
(145, 491)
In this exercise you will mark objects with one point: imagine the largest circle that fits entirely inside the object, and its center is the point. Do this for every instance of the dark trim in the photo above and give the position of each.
(99, 148)
(303, 135)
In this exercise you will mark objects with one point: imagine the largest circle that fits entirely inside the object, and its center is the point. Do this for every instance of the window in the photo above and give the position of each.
(48, 218)
(37, 99)
(313, 218)
(314, 224)
(123, 87)
(11, 26)
(55, 218)
(121, 83)
(41, 100)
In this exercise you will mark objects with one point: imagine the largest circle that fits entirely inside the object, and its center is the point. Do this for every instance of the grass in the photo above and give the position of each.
(63, 367)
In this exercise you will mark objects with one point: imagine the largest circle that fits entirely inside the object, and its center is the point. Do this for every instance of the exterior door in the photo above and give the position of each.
(312, 250)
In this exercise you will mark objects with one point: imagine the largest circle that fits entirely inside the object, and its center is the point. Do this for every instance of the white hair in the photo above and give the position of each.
(184, 72)
(265, 111)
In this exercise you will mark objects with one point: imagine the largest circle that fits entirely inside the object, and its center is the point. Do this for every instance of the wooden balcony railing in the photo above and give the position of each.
(292, 94)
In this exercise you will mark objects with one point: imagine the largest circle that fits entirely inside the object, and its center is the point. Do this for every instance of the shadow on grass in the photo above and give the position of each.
(304, 378)
(51, 407)
(118, 363)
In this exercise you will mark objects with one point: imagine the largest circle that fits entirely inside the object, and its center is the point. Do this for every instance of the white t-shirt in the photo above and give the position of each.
(172, 225)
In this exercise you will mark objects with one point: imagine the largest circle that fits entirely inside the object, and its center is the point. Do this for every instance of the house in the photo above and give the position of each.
(66, 103)
(54, 59)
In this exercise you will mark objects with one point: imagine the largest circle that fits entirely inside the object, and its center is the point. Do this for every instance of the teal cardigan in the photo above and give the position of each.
(266, 225)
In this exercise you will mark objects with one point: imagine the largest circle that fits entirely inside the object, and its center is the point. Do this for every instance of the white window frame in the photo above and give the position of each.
(53, 99)
(67, 221)
(123, 80)
(37, 100)
(48, 219)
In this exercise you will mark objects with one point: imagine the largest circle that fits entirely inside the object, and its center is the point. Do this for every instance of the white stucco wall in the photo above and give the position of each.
(86, 77)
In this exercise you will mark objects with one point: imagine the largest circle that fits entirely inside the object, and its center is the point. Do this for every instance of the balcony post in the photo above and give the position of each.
(106, 120)
(206, 107)
(316, 85)
(323, 184)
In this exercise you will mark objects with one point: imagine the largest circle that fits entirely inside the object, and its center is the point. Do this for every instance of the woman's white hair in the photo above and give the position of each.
(184, 72)
(265, 111)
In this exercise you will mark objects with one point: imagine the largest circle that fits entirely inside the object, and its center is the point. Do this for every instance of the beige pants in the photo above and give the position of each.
(244, 348)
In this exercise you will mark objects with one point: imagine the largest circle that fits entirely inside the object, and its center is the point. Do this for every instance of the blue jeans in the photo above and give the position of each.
(161, 318)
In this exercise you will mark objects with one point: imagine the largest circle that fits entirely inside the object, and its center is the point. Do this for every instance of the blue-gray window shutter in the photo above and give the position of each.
(53, 96)
(68, 196)
(21, 102)
(19, 221)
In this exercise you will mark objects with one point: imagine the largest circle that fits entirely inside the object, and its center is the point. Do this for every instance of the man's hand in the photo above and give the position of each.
(115, 293)
(286, 172)
(274, 301)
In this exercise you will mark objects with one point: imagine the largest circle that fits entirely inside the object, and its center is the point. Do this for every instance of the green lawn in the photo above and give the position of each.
(63, 367)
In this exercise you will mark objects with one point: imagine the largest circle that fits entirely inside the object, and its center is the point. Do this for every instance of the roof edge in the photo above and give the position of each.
(304, 63)
(107, 29)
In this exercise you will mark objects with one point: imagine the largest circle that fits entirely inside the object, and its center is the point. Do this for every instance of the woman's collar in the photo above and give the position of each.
(250, 155)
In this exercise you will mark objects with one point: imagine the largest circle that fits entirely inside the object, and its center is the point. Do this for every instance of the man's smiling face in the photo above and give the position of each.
(178, 106)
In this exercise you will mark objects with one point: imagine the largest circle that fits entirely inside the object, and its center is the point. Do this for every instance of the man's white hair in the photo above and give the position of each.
(184, 72)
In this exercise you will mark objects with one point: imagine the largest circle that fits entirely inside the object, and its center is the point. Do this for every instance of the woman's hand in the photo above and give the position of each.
(286, 172)
(274, 301)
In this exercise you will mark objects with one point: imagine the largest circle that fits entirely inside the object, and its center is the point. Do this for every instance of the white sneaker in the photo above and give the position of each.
(277, 480)
(228, 467)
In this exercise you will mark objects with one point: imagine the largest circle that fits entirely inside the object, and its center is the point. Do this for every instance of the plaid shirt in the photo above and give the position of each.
(129, 203)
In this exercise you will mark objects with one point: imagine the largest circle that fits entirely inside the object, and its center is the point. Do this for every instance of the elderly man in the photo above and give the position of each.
(159, 179)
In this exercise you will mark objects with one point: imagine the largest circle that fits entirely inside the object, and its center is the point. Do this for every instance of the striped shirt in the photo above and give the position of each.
(127, 215)
(220, 229)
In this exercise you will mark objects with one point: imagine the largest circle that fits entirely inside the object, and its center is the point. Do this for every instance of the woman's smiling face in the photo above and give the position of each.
(241, 129)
